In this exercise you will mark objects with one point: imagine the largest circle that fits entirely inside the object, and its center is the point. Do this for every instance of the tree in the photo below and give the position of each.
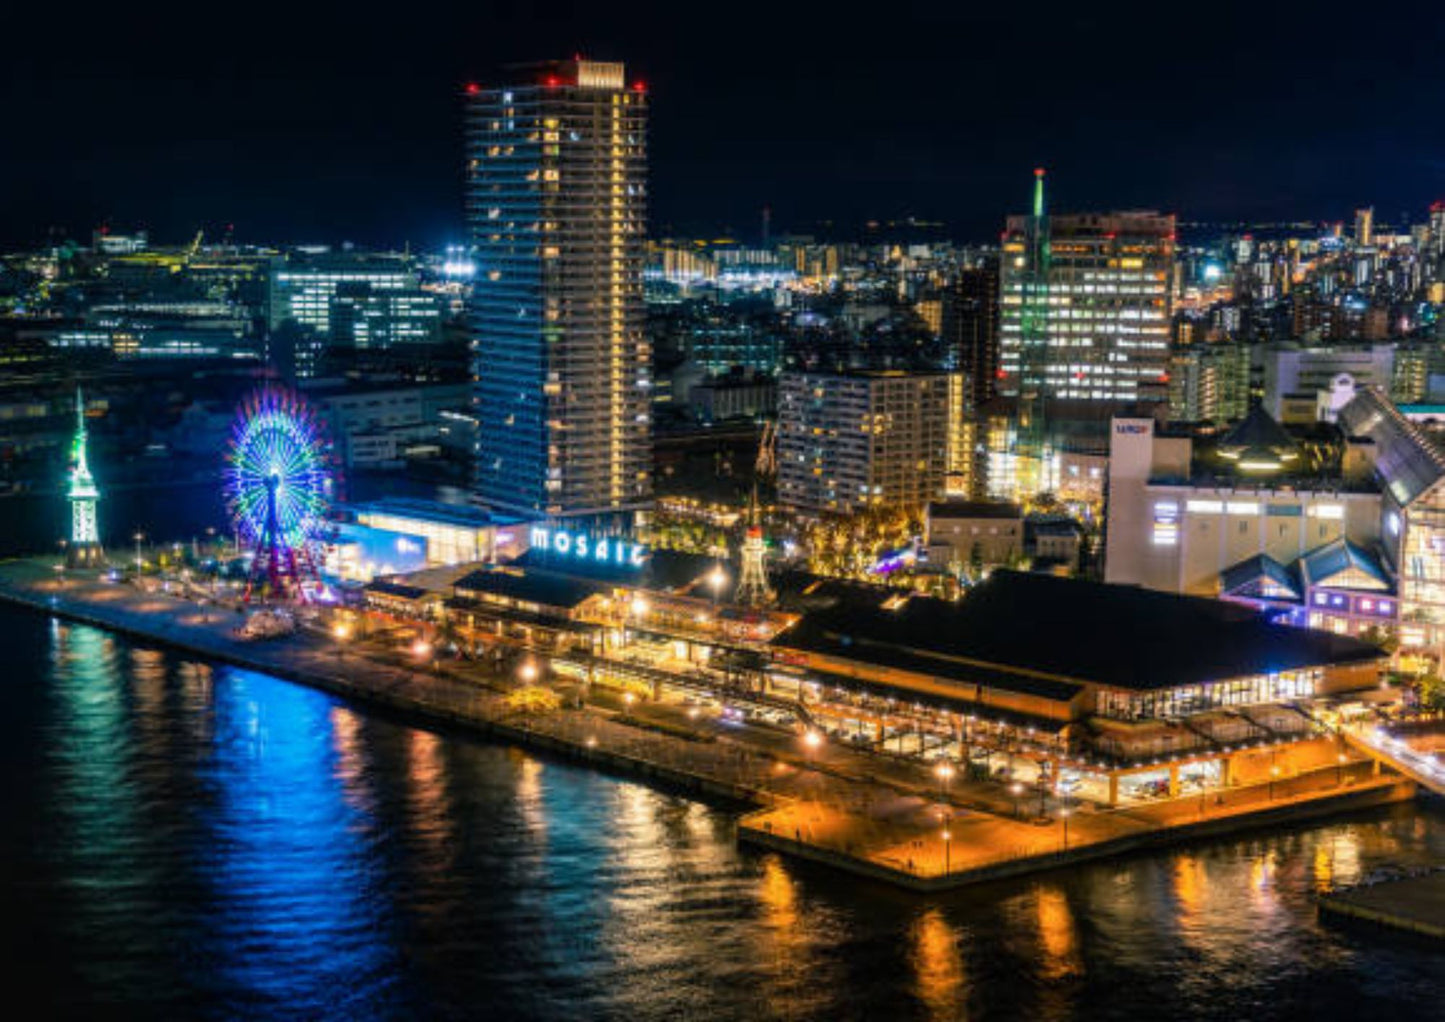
(1431, 689)
(1387, 639)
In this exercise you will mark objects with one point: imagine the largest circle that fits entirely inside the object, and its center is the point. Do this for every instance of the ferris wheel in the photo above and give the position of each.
(278, 488)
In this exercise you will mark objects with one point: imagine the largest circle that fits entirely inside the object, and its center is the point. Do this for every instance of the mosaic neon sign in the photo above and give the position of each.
(582, 547)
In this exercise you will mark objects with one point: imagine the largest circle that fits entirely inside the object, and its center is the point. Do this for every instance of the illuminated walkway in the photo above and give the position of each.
(1396, 753)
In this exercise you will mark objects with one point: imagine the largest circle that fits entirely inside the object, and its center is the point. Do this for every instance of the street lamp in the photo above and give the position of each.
(1064, 815)
(947, 848)
(138, 537)
(1016, 789)
(1340, 770)
(528, 672)
(944, 772)
(1273, 774)
(342, 631)
(812, 740)
(717, 578)
(627, 700)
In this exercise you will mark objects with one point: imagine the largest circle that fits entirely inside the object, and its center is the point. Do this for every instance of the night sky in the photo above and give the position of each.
(299, 122)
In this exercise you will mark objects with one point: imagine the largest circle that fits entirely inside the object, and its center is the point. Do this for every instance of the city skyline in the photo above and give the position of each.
(349, 132)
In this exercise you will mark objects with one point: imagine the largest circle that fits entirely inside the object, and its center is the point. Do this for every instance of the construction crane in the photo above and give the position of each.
(195, 244)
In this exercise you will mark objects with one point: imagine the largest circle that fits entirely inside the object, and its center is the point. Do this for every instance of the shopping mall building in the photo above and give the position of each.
(1120, 691)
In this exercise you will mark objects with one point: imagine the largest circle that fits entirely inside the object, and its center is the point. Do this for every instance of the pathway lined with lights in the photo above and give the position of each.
(1420, 767)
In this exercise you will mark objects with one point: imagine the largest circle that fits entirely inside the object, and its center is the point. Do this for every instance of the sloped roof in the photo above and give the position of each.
(1072, 630)
(1407, 461)
(1258, 443)
(538, 587)
(1242, 579)
(1324, 565)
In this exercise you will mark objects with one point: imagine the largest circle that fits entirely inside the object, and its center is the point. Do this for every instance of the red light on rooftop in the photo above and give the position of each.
(552, 81)
(1002, 374)
(473, 88)
(639, 87)
(1038, 172)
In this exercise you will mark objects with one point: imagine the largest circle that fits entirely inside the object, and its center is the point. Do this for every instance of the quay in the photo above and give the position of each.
(1414, 904)
(829, 804)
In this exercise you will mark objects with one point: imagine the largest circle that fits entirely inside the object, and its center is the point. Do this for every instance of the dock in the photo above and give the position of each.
(1413, 904)
(833, 806)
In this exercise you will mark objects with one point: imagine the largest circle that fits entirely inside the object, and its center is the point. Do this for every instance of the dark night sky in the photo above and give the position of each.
(342, 121)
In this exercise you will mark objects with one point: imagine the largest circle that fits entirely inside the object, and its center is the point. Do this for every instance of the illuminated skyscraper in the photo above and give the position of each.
(556, 207)
(1085, 314)
(1365, 226)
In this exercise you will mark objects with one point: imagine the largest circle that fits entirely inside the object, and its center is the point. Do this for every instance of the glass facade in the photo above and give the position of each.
(1191, 699)
(1103, 329)
(556, 208)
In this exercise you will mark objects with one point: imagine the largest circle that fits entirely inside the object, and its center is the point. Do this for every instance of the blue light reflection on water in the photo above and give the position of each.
(296, 912)
(187, 840)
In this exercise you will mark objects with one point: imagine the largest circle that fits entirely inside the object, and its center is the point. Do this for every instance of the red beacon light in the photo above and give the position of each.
(552, 81)
(639, 86)
(473, 88)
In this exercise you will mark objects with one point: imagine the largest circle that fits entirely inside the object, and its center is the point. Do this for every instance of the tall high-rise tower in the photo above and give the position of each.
(556, 208)
(84, 550)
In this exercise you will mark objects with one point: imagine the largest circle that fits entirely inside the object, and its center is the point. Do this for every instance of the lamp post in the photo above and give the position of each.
(944, 773)
(717, 578)
(342, 631)
(1340, 770)
(1273, 774)
(1016, 789)
(528, 672)
(138, 537)
(947, 850)
(1064, 815)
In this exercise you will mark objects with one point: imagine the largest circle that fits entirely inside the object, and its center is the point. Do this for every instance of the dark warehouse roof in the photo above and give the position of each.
(1071, 630)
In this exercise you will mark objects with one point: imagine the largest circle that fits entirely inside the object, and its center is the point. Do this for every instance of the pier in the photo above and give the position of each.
(1414, 904)
(831, 805)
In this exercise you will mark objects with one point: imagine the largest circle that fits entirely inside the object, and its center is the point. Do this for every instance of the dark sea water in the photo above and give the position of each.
(180, 840)
(183, 840)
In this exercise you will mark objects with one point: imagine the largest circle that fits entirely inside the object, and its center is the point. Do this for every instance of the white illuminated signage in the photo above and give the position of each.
(598, 550)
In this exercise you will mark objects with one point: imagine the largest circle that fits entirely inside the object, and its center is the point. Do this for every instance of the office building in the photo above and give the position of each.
(1085, 310)
(365, 302)
(1295, 375)
(1209, 383)
(848, 441)
(556, 208)
(970, 322)
(1365, 227)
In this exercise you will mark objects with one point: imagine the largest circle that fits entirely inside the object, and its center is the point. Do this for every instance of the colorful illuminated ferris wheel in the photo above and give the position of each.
(278, 488)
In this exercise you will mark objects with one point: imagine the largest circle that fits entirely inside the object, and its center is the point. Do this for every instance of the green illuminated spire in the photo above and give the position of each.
(84, 550)
(1038, 191)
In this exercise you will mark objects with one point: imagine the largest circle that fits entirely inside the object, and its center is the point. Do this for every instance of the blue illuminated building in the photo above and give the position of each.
(556, 205)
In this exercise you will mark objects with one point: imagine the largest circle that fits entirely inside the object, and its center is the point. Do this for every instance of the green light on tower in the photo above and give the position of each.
(84, 550)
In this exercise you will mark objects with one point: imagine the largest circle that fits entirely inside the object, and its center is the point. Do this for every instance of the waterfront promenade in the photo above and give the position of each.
(832, 805)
